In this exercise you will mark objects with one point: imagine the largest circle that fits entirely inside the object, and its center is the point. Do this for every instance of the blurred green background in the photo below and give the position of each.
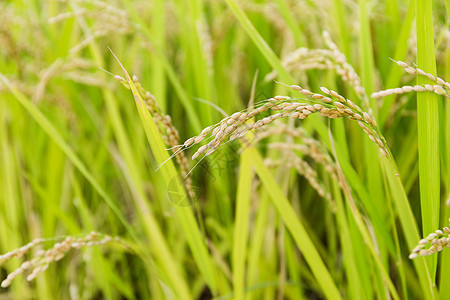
(74, 156)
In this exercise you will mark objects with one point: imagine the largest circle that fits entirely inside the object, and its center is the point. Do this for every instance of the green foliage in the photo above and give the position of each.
(81, 152)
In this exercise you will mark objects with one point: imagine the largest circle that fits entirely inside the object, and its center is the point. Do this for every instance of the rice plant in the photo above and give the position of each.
(224, 149)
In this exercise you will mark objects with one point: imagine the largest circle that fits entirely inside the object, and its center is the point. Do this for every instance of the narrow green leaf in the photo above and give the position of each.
(409, 226)
(168, 171)
(241, 226)
(428, 122)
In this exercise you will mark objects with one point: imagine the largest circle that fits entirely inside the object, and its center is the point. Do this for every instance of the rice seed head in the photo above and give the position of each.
(349, 111)
(402, 64)
(357, 117)
(438, 89)
(306, 92)
(339, 105)
(430, 76)
(295, 115)
(220, 134)
(440, 81)
(417, 71)
(326, 100)
(429, 87)
(325, 90)
(189, 142)
(243, 117)
(235, 135)
(317, 96)
(211, 151)
(216, 130)
(199, 138)
(119, 78)
(407, 88)
(280, 98)
(434, 242)
(419, 88)
(243, 132)
(42, 258)
(420, 72)
(258, 124)
(318, 106)
(310, 108)
(410, 70)
(230, 129)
